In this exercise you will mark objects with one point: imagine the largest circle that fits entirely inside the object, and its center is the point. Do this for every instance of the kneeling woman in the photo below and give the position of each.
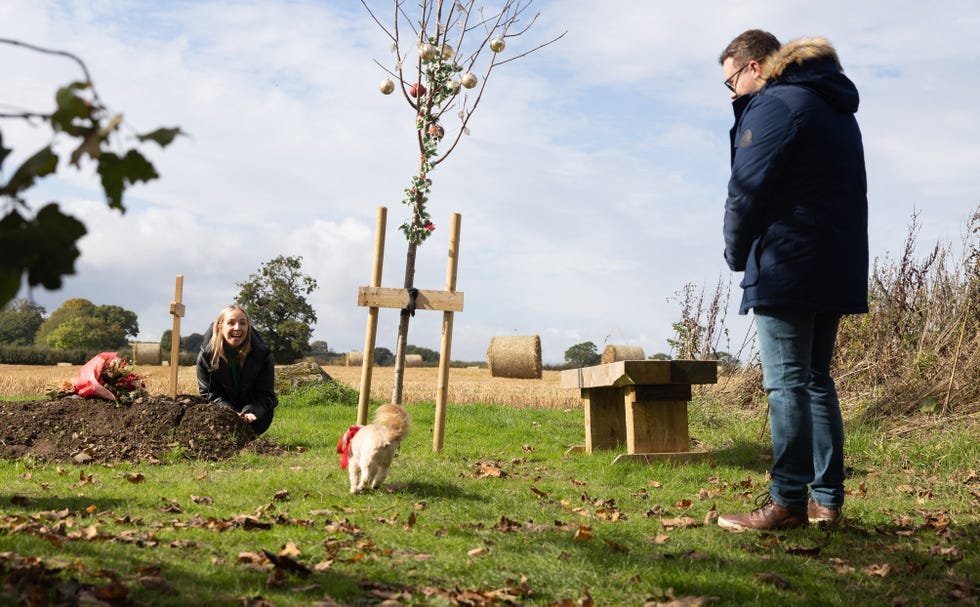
(235, 369)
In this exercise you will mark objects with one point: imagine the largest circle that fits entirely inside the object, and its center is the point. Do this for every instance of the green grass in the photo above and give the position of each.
(503, 512)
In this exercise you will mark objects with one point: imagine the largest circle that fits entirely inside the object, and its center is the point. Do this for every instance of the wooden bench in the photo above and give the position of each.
(642, 403)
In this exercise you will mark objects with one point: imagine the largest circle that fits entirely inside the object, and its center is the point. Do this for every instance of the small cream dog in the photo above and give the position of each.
(367, 451)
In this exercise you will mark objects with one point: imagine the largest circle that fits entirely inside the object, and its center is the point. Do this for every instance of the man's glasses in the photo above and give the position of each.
(730, 83)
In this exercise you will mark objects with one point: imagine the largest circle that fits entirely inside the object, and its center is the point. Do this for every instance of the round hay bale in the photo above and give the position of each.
(515, 356)
(413, 360)
(146, 353)
(355, 359)
(617, 353)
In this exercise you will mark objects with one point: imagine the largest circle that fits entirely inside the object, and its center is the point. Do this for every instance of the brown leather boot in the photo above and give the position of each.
(822, 515)
(769, 516)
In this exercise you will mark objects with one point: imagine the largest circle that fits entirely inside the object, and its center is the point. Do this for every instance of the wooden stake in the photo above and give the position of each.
(371, 334)
(177, 310)
(445, 349)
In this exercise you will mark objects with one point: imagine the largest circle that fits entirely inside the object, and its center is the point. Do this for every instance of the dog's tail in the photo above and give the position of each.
(395, 420)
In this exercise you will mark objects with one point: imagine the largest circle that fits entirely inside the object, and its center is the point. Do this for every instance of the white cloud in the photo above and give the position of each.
(590, 188)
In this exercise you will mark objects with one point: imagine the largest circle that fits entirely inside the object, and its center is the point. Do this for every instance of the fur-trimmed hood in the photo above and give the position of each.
(813, 63)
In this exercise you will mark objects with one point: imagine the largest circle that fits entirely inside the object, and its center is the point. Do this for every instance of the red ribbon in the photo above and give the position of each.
(343, 446)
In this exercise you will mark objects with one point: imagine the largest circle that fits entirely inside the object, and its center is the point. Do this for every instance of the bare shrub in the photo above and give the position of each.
(919, 347)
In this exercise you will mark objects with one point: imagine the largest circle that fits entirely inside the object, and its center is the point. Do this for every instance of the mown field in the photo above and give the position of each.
(466, 386)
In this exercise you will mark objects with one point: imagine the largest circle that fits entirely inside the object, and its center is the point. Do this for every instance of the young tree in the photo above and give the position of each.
(584, 354)
(454, 41)
(19, 321)
(275, 300)
(43, 244)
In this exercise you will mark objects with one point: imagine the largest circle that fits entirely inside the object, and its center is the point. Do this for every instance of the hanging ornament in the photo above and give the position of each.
(447, 52)
(427, 52)
(387, 86)
(468, 80)
(436, 131)
(497, 44)
(417, 90)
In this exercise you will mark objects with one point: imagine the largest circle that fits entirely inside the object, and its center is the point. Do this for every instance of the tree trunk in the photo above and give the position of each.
(396, 392)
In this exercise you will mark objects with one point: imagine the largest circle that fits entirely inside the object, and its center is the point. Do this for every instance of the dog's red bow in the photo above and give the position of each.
(343, 446)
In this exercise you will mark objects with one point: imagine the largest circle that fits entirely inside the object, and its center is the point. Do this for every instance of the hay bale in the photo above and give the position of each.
(413, 360)
(617, 353)
(355, 359)
(515, 356)
(146, 353)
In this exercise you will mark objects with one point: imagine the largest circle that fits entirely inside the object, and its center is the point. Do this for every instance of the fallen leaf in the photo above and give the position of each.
(682, 521)
(803, 550)
(477, 551)
(286, 563)
(290, 549)
(660, 540)
(281, 496)
(135, 477)
(773, 579)
(685, 601)
(878, 569)
(583, 533)
(156, 584)
(617, 547)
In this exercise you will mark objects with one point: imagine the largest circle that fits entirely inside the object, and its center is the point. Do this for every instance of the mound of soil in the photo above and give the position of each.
(152, 428)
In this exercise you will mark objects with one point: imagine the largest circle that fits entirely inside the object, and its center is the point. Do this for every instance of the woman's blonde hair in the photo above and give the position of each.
(217, 343)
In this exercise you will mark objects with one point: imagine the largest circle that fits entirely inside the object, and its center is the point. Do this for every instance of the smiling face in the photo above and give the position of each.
(234, 328)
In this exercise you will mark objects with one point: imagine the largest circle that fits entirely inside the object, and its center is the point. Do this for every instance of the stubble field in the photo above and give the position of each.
(466, 385)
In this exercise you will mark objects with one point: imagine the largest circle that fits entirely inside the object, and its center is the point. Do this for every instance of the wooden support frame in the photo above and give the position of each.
(374, 297)
(177, 310)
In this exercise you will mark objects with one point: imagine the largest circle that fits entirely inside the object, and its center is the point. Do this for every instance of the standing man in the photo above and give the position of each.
(796, 222)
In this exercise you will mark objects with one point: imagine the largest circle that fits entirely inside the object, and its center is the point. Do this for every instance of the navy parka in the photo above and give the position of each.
(796, 217)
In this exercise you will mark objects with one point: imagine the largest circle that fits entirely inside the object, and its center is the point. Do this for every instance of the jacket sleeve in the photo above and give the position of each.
(264, 398)
(760, 143)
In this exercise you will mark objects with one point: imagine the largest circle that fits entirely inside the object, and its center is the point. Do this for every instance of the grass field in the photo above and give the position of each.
(503, 515)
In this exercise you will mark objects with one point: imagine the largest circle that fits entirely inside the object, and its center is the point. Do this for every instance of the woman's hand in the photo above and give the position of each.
(248, 417)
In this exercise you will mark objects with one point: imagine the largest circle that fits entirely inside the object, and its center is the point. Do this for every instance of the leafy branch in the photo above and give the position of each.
(43, 244)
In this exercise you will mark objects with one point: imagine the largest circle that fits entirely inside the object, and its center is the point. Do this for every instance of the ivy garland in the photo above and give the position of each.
(438, 67)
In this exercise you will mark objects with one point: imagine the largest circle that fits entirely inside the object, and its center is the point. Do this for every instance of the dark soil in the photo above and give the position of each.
(151, 429)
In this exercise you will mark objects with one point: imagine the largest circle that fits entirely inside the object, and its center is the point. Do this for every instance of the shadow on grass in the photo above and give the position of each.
(750, 455)
(11, 504)
(433, 490)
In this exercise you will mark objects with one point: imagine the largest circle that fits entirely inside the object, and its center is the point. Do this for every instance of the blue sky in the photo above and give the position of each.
(591, 187)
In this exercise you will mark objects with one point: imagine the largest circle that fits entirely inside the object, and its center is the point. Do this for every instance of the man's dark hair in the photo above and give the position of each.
(750, 45)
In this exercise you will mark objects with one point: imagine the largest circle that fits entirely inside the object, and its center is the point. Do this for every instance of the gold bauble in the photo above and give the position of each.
(387, 86)
(427, 52)
(497, 44)
(468, 80)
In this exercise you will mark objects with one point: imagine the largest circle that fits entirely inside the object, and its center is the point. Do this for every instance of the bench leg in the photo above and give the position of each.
(605, 418)
(656, 419)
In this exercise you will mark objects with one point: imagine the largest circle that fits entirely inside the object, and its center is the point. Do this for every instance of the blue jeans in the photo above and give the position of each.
(804, 414)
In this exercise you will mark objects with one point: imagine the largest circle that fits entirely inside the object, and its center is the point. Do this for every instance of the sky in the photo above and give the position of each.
(591, 185)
